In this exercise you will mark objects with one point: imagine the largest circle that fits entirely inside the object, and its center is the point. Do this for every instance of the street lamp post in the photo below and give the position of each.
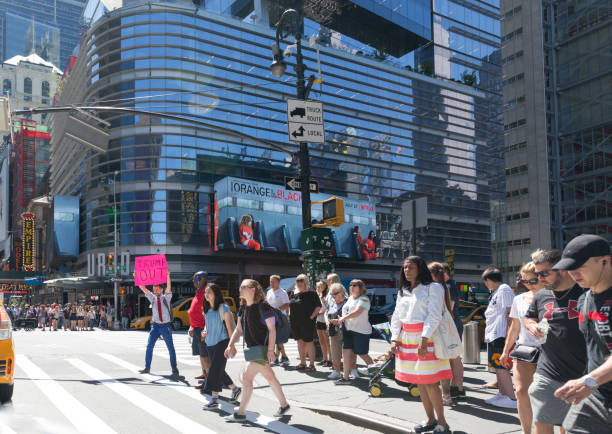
(291, 23)
(116, 276)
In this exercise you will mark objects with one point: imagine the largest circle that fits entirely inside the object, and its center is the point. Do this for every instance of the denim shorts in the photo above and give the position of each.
(358, 342)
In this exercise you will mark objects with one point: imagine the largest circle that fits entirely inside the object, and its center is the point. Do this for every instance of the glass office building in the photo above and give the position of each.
(392, 134)
(49, 28)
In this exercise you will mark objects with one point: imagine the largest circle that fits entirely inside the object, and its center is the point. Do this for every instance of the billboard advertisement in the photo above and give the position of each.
(4, 199)
(29, 241)
(258, 216)
(66, 226)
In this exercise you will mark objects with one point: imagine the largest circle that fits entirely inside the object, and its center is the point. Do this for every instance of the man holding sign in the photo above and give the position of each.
(150, 270)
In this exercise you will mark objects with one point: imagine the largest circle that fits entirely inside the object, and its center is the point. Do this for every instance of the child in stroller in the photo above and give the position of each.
(384, 365)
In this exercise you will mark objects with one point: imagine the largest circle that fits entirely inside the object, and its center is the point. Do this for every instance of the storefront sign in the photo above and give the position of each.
(29, 242)
(150, 270)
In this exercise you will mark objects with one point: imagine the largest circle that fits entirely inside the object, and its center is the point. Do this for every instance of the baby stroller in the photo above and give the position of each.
(387, 365)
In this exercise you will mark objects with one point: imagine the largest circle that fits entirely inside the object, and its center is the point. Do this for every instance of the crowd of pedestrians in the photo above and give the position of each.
(69, 316)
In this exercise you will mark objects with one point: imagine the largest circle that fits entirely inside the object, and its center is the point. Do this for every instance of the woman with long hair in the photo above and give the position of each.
(303, 310)
(219, 327)
(437, 273)
(257, 321)
(322, 326)
(517, 333)
(417, 314)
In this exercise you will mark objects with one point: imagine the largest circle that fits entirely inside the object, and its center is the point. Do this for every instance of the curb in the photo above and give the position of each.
(365, 419)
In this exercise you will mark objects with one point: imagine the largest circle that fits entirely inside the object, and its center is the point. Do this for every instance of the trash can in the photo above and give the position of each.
(471, 343)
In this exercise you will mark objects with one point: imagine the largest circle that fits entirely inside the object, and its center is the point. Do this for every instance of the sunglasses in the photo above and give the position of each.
(544, 273)
(335, 293)
(530, 281)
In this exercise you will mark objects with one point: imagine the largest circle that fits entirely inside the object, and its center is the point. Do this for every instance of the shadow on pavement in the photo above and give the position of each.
(482, 410)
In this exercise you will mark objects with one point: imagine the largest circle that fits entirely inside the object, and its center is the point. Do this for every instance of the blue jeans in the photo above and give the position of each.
(156, 331)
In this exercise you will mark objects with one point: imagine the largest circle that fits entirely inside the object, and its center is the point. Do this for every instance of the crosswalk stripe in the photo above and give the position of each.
(5, 429)
(227, 407)
(80, 416)
(164, 414)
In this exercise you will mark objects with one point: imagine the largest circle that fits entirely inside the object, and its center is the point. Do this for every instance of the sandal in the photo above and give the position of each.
(300, 368)
(447, 402)
(309, 369)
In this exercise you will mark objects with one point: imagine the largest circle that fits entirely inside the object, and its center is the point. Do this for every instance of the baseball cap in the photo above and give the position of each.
(198, 275)
(580, 249)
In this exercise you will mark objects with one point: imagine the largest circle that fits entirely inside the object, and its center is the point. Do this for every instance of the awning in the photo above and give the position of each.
(79, 282)
(35, 280)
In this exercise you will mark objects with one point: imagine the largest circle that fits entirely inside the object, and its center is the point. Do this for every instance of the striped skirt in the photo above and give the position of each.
(410, 368)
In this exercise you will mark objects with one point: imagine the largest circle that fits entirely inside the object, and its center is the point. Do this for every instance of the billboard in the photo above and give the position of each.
(4, 199)
(66, 226)
(258, 216)
(29, 241)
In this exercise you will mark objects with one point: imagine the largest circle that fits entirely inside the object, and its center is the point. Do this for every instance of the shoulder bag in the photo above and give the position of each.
(257, 353)
(447, 344)
(525, 353)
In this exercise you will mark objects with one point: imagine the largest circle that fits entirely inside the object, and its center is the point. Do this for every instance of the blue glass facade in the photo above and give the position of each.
(391, 135)
(53, 25)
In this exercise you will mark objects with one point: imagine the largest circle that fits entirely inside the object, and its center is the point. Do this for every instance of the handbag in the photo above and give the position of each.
(447, 344)
(256, 353)
(525, 353)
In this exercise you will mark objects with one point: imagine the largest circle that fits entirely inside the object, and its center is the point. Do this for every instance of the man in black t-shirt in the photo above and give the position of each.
(588, 260)
(563, 354)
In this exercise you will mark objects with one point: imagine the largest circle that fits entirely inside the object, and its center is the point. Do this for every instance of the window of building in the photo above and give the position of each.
(516, 146)
(516, 170)
(513, 34)
(514, 78)
(518, 192)
(513, 57)
(514, 102)
(517, 216)
(27, 89)
(44, 88)
(7, 87)
(515, 124)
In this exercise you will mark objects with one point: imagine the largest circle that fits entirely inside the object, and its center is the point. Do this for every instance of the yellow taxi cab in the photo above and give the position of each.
(472, 312)
(7, 356)
(180, 310)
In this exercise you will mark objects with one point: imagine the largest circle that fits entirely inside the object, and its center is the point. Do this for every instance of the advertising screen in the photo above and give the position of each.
(66, 226)
(4, 199)
(258, 216)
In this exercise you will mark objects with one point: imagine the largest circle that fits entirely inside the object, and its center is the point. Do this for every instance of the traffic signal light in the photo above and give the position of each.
(110, 264)
(333, 212)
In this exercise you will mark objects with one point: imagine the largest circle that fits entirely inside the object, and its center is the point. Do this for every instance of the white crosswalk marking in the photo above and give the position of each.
(80, 416)
(5, 429)
(164, 414)
(227, 407)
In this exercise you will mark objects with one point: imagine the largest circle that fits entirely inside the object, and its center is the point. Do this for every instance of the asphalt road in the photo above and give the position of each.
(88, 382)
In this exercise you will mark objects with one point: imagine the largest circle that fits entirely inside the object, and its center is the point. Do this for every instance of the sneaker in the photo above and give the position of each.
(457, 394)
(505, 402)
(144, 371)
(363, 372)
(494, 399)
(343, 381)
(285, 361)
(236, 391)
(281, 411)
(441, 430)
(335, 375)
(211, 405)
(424, 426)
(275, 363)
(235, 417)
(354, 373)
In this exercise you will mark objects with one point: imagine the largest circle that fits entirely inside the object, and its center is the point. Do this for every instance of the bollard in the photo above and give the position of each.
(471, 343)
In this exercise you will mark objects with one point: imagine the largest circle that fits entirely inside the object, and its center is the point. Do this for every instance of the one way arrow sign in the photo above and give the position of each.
(296, 185)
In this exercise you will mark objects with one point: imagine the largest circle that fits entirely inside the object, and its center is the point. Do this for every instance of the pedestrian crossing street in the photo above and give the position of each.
(117, 375)
(183, 351)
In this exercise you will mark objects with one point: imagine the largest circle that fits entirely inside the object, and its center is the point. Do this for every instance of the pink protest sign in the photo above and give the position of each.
(150, 270)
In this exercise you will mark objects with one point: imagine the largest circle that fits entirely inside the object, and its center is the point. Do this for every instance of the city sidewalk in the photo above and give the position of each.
(394, 410)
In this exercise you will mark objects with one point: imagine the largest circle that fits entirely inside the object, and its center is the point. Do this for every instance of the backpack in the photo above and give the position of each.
(281, 322)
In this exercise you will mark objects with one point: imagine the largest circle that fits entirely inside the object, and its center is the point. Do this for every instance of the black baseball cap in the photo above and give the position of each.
(580, 249)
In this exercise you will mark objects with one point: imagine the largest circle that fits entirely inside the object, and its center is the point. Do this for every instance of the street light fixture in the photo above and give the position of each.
(291, 23)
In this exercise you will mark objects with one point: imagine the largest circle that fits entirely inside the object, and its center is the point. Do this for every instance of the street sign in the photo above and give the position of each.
(296, 185)
(305, 121)
(420, 212)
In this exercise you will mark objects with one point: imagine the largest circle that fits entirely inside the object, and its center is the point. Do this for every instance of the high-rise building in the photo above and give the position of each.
(394, 131)
(49, 28)
(557, 123)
